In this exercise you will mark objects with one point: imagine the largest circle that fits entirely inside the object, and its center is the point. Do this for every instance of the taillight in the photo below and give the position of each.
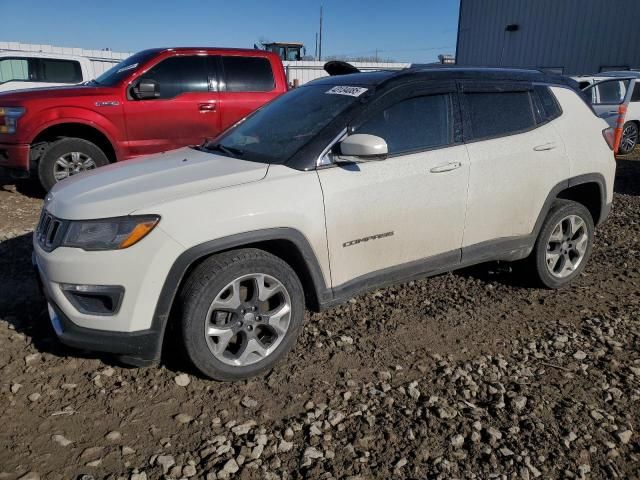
(609, 135)
(9, 119)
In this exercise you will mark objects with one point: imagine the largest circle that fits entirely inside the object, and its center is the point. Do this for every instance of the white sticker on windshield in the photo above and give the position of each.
(347, 90)
(128, 67)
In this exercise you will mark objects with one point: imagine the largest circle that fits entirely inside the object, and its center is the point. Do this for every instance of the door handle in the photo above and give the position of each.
(207, 107)
(545, 146)
(447, 167)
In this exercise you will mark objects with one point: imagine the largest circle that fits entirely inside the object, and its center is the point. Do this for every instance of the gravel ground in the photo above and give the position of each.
(466, 375)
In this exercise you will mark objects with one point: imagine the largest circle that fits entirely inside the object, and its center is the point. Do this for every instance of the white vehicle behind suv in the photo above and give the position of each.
(606, 92)
(341, 186)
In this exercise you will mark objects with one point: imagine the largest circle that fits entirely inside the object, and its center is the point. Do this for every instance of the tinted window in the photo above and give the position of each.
(177, 75)
(248, 74)
(414, 124)
(546, 106)
(279, 129)
(60, 71)
(635, 96)
(609, 92)
(15, 69)
(122, 70)
(495, 114)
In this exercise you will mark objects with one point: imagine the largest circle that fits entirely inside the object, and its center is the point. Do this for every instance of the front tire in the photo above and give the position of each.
(241, 313)
(629, 139)
(66, 157)
(564, 244)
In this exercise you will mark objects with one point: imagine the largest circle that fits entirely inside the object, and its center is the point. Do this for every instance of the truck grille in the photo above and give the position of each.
(49, 231)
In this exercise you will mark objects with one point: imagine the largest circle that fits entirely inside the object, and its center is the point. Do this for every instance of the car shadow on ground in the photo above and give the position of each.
(22, 305)
(28, 187)
(24, 308)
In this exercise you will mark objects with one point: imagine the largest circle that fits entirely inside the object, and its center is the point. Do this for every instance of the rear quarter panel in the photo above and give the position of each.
(581, 132)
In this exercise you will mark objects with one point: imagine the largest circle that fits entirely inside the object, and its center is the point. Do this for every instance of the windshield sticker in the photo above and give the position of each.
(347, 90)
(128, 67)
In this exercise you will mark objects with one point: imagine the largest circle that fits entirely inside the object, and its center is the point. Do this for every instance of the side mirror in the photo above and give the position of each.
(364, 146)
(146, 89)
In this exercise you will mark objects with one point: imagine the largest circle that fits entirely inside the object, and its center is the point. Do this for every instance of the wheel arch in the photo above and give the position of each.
(286, 243)
(73, 129)
(589, 189)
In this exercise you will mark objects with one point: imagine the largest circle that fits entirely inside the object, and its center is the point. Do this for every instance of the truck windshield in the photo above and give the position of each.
(117, 73)
(278, 130)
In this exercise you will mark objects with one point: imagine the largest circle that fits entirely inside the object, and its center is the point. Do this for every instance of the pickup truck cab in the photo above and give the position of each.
(20, 70)
(156, 100)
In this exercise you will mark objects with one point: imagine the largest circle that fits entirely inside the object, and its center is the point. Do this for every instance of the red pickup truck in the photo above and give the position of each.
(155, 100)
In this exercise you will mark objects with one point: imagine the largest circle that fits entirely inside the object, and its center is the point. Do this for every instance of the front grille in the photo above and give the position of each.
(49, 231)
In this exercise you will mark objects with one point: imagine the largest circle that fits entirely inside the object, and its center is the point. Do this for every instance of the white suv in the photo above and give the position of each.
(341, 186)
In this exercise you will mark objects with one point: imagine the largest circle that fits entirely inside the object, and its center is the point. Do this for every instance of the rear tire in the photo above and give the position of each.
(241, 313)
(564, 244)
(630, 134)
(66, 157)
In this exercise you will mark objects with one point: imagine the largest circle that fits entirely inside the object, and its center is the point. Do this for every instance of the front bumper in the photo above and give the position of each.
(14, 157)
(135, 348)
(133, 332)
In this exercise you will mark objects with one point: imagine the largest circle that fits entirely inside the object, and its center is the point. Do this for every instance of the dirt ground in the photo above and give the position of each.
(466, 375)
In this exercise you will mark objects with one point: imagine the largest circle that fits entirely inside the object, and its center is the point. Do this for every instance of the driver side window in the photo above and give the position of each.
(177, 75)
(412, 125)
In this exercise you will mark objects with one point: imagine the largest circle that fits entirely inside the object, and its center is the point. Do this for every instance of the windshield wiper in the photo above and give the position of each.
(231, 151)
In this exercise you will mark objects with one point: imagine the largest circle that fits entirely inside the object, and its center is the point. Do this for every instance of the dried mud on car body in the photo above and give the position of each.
(464, 374)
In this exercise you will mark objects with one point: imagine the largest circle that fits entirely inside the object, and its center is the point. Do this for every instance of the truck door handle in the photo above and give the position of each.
(545, 146)
(447, 167)
(207, 107)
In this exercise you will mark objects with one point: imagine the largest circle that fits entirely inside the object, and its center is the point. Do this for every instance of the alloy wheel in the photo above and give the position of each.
(72, 163)
(567, 246)
(248, 319)
(629, 138)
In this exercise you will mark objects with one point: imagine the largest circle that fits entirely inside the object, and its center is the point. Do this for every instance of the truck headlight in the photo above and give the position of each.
(9, 118)
(109, 233)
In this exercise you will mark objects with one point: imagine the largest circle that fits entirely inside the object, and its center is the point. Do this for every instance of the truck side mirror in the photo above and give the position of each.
(146, 89)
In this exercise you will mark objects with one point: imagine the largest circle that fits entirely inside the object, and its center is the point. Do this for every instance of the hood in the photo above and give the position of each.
(54, 92)
(121, 188)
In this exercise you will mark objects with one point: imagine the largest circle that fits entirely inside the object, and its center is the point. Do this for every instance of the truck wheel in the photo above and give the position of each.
(66, 157)
(629, 138)
(564, 244)
(241, 313)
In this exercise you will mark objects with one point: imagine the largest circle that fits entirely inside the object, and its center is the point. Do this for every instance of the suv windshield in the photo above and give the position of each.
(278, 130)
(117, 73)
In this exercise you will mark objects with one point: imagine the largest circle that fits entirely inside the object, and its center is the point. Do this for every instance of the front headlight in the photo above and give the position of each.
(109, 233)
(9, 118)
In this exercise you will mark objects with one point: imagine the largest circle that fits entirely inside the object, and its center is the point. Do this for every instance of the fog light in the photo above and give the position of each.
(94, 299)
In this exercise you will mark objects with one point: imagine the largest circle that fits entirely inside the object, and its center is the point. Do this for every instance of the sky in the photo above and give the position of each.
(401, 30)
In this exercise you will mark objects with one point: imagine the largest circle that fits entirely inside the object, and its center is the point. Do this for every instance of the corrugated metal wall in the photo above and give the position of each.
(580, 36)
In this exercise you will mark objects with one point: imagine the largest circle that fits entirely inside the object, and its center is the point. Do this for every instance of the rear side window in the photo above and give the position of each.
(545, 104)
(177, 75)
(60, 71)
(635, 96)
(500, 113)
(15, 69)
(414, 124)
(248, 74)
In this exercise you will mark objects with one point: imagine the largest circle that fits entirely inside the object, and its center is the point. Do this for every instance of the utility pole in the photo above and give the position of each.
(320, 41)
(315, 53)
